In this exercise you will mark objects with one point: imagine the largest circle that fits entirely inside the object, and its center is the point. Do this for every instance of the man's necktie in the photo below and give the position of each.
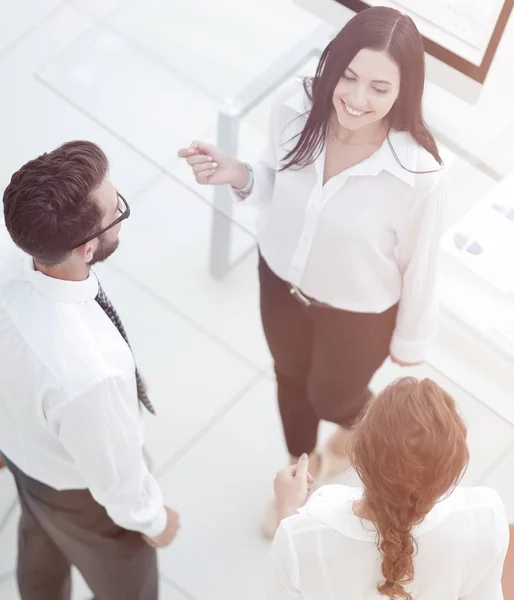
(110, 311)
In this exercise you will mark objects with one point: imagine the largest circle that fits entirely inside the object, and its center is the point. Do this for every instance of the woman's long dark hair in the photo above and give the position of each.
(381, 29)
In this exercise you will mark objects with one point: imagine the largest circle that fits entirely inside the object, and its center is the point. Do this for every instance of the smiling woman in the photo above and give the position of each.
(373, 74)
(359, 99)
(351, 198)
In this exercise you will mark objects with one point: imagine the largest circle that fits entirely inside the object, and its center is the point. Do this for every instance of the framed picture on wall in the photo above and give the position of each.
(463, 34)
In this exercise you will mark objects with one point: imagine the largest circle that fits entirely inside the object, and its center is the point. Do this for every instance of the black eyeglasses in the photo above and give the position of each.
(124, 210)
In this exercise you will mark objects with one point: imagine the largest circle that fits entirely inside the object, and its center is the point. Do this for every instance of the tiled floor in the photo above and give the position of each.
(142, 78)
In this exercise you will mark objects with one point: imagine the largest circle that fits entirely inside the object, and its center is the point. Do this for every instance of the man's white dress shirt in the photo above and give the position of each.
(70, 415)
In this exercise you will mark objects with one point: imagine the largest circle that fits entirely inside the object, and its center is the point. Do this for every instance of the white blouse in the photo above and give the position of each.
(327, 553)
(365, 240)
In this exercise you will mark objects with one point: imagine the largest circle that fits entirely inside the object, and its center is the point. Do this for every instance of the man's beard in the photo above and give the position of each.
(104, 250)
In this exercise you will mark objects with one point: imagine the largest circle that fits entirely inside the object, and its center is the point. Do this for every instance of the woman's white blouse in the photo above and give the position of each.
(327, 553)
(365, 240)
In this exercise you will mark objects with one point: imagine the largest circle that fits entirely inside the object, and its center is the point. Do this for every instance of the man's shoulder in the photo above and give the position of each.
(53, 343)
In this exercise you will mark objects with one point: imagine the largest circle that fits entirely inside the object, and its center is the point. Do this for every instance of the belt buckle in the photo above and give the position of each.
(303, 299)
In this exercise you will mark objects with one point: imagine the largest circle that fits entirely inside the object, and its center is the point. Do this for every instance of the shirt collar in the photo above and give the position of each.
(61, 290)
(405, 147)
(333, 506)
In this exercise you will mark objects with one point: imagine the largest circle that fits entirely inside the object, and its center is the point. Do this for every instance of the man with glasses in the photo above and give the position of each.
(71, 397)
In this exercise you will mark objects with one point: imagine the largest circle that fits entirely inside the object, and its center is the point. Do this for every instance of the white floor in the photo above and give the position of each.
(141, 78)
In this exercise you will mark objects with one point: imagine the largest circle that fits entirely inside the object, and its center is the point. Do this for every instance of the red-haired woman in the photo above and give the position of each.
(409, 533)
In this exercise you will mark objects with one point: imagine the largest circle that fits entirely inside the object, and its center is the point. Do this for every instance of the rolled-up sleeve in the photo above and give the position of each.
(418, 253)
(102, 436)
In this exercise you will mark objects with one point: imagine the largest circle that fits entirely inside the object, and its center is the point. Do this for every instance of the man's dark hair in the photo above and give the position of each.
(49, 205)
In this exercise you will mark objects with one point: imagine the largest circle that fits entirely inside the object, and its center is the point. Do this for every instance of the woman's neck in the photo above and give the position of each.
(374, 133)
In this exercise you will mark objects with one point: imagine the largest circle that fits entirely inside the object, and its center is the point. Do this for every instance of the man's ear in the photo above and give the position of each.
(86, 251)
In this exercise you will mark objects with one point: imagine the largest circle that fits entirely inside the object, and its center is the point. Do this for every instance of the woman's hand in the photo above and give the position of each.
(292, 486)
(401, 363)
(213, 166)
